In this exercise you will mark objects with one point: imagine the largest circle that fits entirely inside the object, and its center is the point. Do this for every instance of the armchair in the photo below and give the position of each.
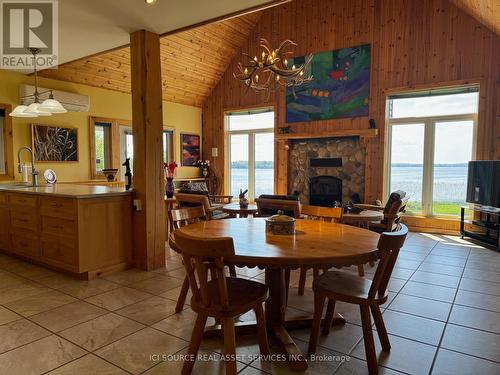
(195, 199)
(268, 205)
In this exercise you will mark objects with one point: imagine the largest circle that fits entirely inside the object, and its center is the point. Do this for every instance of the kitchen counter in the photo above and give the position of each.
(67, 190)
(85, 230)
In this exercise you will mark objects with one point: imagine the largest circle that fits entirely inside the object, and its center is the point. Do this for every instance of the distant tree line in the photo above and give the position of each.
(260, 164)
(460, 165)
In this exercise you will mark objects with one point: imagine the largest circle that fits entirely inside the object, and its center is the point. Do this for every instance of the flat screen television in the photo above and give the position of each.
(483, 184)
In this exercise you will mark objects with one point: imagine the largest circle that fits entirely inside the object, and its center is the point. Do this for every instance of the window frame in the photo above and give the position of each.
(8, 147)
(114, 144)
(251, 149)
(429, 123)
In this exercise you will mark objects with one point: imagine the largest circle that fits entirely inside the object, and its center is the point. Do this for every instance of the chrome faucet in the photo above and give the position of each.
(34, 172)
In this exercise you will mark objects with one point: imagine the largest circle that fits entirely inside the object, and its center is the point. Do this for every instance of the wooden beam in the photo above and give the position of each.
(149, 188)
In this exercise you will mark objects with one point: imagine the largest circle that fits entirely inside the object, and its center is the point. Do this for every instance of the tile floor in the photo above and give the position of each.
(443, 317)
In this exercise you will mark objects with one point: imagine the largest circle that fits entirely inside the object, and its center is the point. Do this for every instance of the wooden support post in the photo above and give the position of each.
(149, 188)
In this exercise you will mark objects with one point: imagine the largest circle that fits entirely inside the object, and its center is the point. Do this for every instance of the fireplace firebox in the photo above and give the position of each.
(324, 191)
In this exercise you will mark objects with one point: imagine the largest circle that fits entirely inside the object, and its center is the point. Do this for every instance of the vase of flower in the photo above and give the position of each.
(170, 187)
(204, 165)
(169, 169)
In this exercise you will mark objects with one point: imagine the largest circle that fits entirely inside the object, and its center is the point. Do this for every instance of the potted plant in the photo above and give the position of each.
(169, 169)
(204, 166)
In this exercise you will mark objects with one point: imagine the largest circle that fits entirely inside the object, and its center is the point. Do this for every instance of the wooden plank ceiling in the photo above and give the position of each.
(193, 61)
(485, 11)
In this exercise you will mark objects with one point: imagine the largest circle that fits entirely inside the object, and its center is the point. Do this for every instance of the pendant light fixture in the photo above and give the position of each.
(36, 109)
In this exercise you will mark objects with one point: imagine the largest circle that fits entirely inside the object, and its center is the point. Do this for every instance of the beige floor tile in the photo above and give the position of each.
(342, 338)
(118, 298)
(39, 303)
(420, 306)
(401, 273)
(408, 255)
(441, 269)
(395, 285)
(439, 259)
(408, 264)
(472, 273)
(476, 318)
(480, 286)
(452, 363)
(471, 341)
(435, 279)
(88, 365)
(149, 311)
(491, 265)
(479, 300)
(67, 316)
(413, 327)
(249, 370)
(58, 280)
(325, 362)
(406, 355)
(84, 289)
(33, 272)
(8, 279)
(130, 276)
(180, 324)
(20, 332)
(356, 366)
(438, 293)
(19, 291)
(133, 353)
(101, 331)
(39, 356)
(157, 285)
(7, 316)
(207, 363)
(173, 295)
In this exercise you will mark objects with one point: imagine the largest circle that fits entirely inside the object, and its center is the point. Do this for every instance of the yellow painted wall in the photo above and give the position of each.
(103, 103)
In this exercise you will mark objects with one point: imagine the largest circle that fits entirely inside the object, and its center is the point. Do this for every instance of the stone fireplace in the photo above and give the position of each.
(323, 170)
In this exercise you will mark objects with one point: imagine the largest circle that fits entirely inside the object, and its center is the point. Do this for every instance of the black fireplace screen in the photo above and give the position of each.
(324, 191)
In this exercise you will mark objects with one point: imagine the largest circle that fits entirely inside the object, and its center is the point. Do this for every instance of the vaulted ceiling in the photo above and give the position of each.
(192, 61)
(485, 11)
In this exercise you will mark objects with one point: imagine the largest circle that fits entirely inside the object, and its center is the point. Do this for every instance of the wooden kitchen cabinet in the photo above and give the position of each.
(84, 235)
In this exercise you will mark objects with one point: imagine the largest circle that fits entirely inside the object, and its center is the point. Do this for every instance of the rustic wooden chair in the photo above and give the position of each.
(330, 214)
(270, 206)
(178, 218)
(368, 294)
(213, 210)
(393, 210)
(222, 297)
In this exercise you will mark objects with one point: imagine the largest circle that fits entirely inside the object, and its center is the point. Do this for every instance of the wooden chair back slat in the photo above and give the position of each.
(269, 207)
(185, 216)
(322, 213)
(200, 256)
(389, 245)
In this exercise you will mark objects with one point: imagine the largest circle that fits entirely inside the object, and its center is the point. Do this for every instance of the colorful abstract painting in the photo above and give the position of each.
(190, 149)
(340, 88)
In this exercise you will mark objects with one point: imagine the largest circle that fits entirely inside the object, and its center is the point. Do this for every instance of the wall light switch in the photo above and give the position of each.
(137, 205)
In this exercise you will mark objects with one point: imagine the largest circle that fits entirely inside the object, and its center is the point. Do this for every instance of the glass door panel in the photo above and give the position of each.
(452, 151)
(238, 163)
(264, 164)
(407, 159)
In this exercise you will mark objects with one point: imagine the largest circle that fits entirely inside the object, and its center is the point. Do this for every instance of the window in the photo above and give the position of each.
(102, 146)
(6, 143)
(251, 152)
(127, 146)
(168, 146)
(431, 140)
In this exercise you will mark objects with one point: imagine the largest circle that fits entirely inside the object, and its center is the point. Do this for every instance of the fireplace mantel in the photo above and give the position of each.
(338, 133)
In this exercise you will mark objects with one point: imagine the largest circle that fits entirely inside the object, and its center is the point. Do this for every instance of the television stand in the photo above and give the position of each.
(484, 226)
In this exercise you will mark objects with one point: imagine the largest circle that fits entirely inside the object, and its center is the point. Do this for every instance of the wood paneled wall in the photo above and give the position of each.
(415, 44)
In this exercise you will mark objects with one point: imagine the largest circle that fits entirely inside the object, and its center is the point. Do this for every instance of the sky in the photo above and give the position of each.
(264, 143)
(453, 140)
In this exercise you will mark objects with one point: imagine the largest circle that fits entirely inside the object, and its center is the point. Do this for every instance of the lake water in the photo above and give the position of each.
(450, 183)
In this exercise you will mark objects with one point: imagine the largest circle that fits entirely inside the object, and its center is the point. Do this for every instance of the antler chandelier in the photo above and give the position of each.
(272, 70)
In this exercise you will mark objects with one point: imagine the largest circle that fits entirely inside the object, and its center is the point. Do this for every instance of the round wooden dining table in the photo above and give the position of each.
(314, 244)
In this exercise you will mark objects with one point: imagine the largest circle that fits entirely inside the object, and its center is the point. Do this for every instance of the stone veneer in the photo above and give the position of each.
(352, 172)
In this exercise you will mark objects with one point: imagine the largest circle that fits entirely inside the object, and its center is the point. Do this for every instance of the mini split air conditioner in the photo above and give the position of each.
(72, 102)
